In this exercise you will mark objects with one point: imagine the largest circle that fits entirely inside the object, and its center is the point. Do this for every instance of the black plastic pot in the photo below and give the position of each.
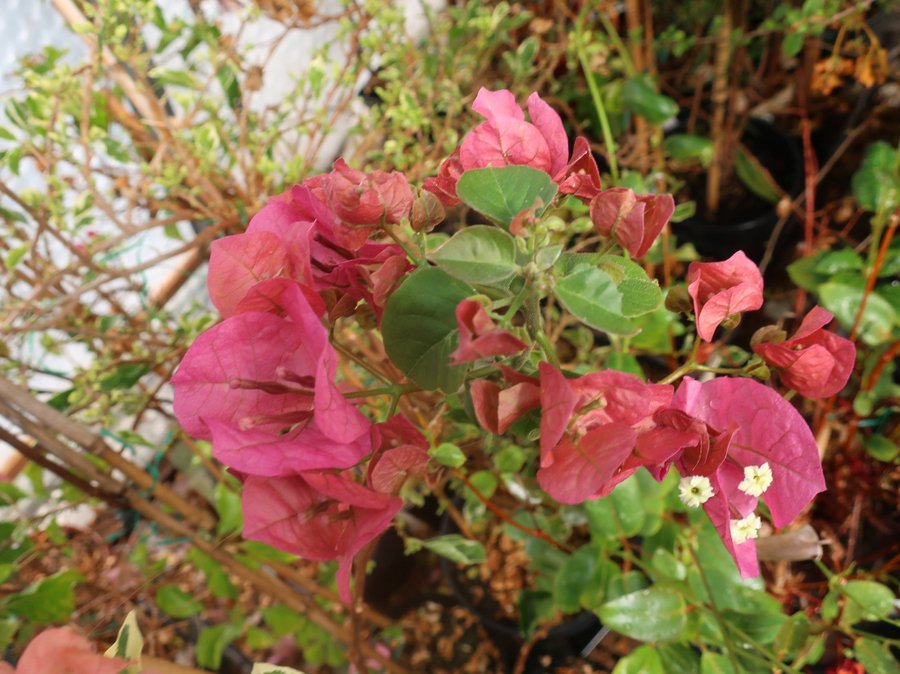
(563, 642)
(732, 232)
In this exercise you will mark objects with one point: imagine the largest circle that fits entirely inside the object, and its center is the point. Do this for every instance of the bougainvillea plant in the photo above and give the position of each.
(328, 441)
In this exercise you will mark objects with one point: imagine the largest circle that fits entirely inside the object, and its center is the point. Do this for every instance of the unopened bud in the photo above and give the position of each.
(769, 334)
(679, 301)
(757, 369)
(365, 317)
(427, 212)
(732, 322)
(783, 207)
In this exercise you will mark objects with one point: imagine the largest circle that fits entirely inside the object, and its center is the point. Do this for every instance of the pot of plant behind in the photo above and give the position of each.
(495, 594)
(738, 211)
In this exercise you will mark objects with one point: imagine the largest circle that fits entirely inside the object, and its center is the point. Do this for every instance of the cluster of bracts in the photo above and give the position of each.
(321, 479)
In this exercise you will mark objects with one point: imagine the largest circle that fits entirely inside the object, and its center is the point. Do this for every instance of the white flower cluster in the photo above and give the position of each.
(696, 490)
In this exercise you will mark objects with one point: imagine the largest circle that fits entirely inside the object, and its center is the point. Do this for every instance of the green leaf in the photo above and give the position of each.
(124, 376)
(792, 636)
(716, 663)
(680, 657)
(510, 459)
(755, 177)
(420, 331)
(876, 657)
(212, 642)
(456, 548)
(504, 192)
(129, 642)
(640, 96)
(876, 185)
(15, 255)
(228, 506)
(642, 660)
(51, 600)
(572, 579)
(535, 606)
(9, 494)
(685, 147)
(448, 454)
(792, 44)
(176, 602)
(481, 255)
(592, 297)
(216, 579)
(283, 620)
(834, 262)
(640, 293)
(882, 448)
(866, 600)
(8, 629)
(655, 614)
(843, 300)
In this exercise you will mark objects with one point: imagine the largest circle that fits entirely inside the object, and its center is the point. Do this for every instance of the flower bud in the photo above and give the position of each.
(427, 212)
(731, 322)
(679, 301)
(769, 334)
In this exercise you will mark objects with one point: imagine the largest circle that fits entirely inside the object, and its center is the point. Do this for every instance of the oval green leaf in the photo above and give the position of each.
(420, 331)
(592, 297)
(481, 255)
(503, 192)
(654, 614)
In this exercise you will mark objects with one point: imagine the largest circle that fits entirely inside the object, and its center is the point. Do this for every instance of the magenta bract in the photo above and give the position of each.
(363, 199)
(261, 387)
(766, 429)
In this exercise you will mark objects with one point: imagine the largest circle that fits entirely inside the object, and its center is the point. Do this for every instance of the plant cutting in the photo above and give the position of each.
(364, 362)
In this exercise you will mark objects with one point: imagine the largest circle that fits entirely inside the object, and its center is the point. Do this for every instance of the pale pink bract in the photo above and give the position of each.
(721, 289)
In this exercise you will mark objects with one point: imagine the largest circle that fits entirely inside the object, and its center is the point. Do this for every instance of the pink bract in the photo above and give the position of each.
(634, 220)
(364, 199)
(581, 176)
(479, 336)
(766, 429)
(61, 650)
(262, 387)
(507, 139)
(318, 516)
(814, 362)
(589, 429)
(721, 289)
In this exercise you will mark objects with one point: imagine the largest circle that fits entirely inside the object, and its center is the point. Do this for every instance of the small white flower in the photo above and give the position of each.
(756, 480)
(746, 529)
(695, 490)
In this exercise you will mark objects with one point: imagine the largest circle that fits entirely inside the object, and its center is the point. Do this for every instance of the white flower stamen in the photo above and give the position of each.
(756, 480)
(745, 529)
(695, 490)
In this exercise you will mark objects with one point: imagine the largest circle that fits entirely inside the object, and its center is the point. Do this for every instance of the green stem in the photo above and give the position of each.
(687, 368)
(534, 323)
(600, 109)
(713, 608)
(617, 41)
(395, 390)
(413, 255)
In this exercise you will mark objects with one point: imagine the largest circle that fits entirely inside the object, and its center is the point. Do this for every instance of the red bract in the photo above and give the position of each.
(766, 429)
(318, 516)
(62, 650)
(589, 426)
(371, 276)
(262, 387)
(443, 186)
(402, 453)
(497, 409)
(635, 220)
(722, 289)
(363, 199)
(479, 336)
(814, 362)
(580, 177)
